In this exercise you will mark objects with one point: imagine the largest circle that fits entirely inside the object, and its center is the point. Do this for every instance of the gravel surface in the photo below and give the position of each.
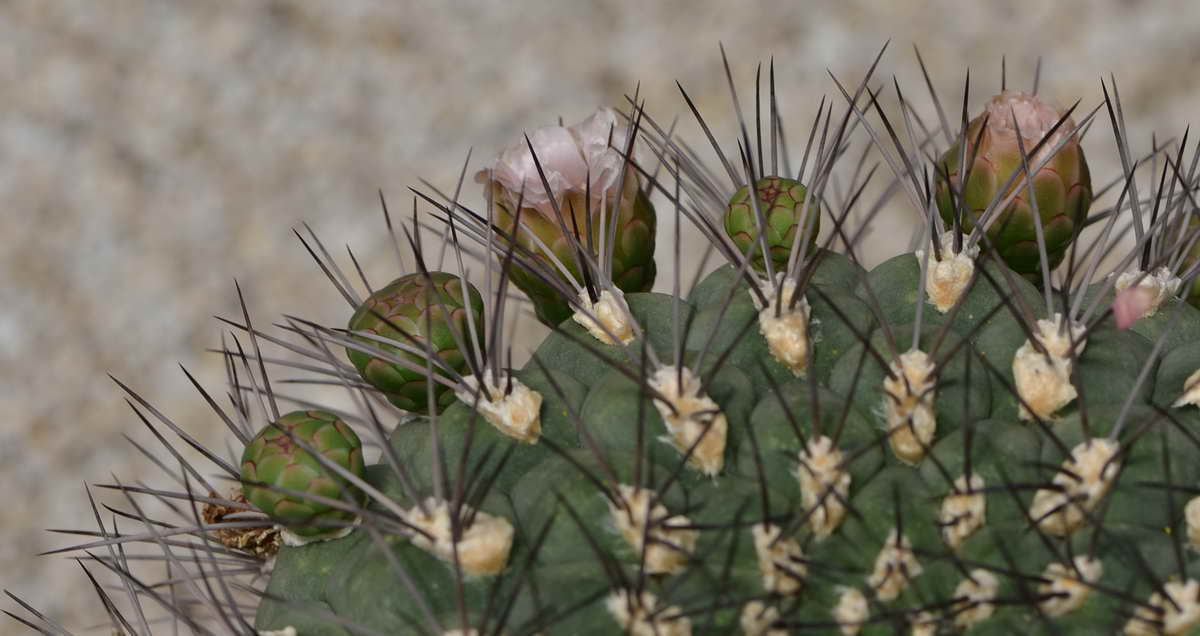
(151, 152)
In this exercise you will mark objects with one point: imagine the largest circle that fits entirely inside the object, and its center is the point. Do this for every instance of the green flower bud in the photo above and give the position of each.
(1062, 187)
(274, 462)
(780, 202)
(416, 310)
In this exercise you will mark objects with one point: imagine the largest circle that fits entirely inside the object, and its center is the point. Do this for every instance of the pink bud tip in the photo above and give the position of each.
(1132, 305)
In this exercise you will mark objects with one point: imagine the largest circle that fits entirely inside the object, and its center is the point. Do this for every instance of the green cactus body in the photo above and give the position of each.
(1062, 188)
(278, 473)
(418, 311)
(780, 201)
(764, 451)
(633, 266)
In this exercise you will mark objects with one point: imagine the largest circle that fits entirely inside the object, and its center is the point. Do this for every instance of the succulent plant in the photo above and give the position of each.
(931, 445)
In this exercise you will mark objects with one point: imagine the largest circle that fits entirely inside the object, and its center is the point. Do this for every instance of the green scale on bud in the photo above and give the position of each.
(1062, 188)
(577, 161)
(415, 310)
(278, 473)
(1192, 292)
(781, 203)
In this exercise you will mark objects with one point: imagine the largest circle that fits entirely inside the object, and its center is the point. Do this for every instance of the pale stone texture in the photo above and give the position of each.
(151, 152)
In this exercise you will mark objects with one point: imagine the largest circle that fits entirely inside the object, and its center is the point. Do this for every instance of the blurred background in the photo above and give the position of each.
(151, 152)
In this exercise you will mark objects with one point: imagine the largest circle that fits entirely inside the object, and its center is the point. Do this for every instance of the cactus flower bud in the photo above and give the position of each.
(577, 161)
(780, 201)
(415, 311)
(1131, 305)
(277, 472)
(1141, 294)
(1062, 186)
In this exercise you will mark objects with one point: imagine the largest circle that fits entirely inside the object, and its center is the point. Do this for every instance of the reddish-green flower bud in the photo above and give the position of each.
(277, 473)
(416, 311)
(1062, 187)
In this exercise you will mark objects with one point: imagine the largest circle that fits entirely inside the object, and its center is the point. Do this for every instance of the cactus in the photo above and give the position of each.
(794, 444)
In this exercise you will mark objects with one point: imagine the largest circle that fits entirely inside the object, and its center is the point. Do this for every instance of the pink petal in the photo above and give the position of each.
(595, 134)
(560, 159)
(569, 156)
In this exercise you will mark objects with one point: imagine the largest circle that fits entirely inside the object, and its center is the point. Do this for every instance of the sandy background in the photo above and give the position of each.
(151, 152)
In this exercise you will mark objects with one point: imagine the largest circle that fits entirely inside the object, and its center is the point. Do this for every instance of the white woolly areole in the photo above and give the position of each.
(517, 415)
(1045, 384)
(824, 485)
(286, 631)
(923, 624)
(780, 560)
(1068, 588)
(482, 547)
(851, 611)
(667, 550)
(608, 315)
(1191, 513)
(1161, 284)
(908, 405)
(695, 421)
(293, 540)
(757, 618)
(895, 566)
(1191, 391)
(1034, 117)
(963, 511)
(461, 632)
(1086, 476)
(785, 327)
(1165, 617)
(948, 277)
(645, 616)
(569, 157)
(976, 593)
